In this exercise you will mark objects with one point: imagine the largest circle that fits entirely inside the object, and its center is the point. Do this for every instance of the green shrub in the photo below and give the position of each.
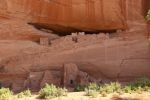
(5, 94)
(110, 88)
(127, 89)
(140, 83)
(79, 88)
(148, 16)
(138, 86)
(92, 90)
(93, 86)
(61, 92)
(92, 93)
(148, 19)
(48, 90)
(26, 93)
(51, 91)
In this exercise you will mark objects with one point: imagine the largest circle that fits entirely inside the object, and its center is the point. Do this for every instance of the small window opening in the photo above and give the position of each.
(71, 82)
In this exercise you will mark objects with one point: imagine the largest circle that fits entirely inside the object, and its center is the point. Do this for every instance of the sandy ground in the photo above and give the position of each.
(81, 96)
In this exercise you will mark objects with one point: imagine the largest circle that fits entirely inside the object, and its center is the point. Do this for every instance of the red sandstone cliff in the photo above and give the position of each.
(119, 56)
(77, 15)
(65, 15)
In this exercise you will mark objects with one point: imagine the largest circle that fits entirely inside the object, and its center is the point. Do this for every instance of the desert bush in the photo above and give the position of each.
(140, 83)
(62, 92)
(110, 88)
(92, 93)
(93, 86)
(127, 89)
(5, 93)
(51, 91)
(26, 93)
(148, 16)
(138, 86)
(92, 90)
(148, 19)
(79, 88)
(48, 90)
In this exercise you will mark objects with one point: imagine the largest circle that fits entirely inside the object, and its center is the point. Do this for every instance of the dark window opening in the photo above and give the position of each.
(71, 82)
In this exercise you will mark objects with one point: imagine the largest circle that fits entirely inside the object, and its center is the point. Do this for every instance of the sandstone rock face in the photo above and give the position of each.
(51, 77)
(14, 24)
(66, 15)
(77, 58)
(33, 81)
(135, 14)
(20, 30)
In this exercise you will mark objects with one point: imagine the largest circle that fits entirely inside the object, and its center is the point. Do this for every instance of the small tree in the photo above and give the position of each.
(148, 16)
(148, 19)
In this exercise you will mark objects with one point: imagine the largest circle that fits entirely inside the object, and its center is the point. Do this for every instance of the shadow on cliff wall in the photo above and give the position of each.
(63, 31)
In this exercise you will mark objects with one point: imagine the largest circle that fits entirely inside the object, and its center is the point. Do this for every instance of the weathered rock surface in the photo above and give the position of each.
(33, 80)
(110, 59)
(20, 30)
(121, 56)
(52, 77)
(66, 15)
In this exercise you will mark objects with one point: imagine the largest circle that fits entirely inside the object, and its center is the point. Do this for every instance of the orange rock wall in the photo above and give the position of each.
(123, 56)
(83, 15)
(73, 15)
